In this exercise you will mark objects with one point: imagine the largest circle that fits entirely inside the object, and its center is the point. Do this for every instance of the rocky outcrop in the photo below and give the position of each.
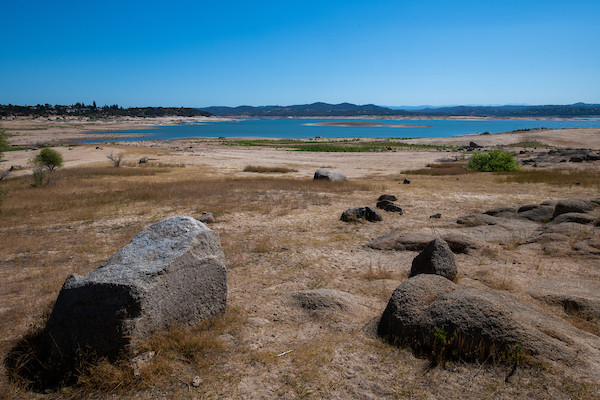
(476, 324)
(436, 258)
(402, 241)
(171, 273)
(329, 174)
(573, 205)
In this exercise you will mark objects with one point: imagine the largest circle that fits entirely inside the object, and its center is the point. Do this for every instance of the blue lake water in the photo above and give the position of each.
(292, 128)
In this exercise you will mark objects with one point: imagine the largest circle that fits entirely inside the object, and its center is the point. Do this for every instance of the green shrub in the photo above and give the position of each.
(492, 161)
(48, 158)
(44, 165)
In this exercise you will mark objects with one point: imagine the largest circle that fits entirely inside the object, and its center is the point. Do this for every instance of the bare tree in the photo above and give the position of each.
(115, 158)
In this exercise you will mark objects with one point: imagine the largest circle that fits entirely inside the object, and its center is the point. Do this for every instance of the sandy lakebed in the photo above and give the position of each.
(282, 235)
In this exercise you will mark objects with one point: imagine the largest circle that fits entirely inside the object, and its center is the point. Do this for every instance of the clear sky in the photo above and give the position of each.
(201, 53)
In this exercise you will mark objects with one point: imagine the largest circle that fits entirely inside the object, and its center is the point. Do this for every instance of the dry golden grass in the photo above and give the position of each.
(278, 235)
(556, 176)
(441, 169)
(265, 170)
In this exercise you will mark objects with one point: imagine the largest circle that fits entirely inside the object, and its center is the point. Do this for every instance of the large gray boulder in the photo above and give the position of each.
(329, 175)
(173, 272)
(436, 258)
(482, 323)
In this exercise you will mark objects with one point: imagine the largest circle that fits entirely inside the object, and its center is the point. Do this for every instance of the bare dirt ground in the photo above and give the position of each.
(281, 233)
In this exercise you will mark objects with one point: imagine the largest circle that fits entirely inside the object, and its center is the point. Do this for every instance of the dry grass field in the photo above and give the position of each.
(281, 233)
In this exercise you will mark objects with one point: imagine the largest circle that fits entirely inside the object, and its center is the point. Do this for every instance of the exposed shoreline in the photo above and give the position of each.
(363, 124)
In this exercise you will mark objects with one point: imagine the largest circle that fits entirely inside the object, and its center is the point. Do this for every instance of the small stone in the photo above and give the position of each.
(436, 216)
(406, 181)
(196, 381)
(388, 197)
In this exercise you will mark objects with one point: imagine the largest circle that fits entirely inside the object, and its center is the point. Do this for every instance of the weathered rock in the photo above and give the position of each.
(324, 300)
(436, 216)
(355, 214)
(15, 167)
(388, 206)
(501, 212)
(401, 241)
(401, 320)
(578, 218)
(461, 243)
(536, 213)
(436, 258)
(206, 217)
(172, 272)
(474, 145)
(573, 205)
(484, 322)
(406, 181)
(388, 197)
(330, 175)
(477, 220)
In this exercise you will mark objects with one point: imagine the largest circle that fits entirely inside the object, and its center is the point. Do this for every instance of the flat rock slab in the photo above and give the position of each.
(484, 321)
(173, 272)
(324, 300)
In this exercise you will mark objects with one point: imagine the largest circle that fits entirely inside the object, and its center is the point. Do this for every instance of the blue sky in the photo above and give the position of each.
(201, 53)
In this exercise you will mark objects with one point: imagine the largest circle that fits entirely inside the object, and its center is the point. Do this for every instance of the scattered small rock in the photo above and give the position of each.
(436, 216)
(360, 213)
(143, 160)
(389, 206)
(406, 182)
(206, 217)
(388, 197)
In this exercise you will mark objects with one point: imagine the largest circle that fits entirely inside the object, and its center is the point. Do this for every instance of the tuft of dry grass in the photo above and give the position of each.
(441, 169)
(555, 176)
(265, 170)
(377, 273)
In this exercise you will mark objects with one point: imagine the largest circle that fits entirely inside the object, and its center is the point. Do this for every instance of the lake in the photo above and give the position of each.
(297, 128)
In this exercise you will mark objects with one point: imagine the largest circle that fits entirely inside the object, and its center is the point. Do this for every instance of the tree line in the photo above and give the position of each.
(92, 111)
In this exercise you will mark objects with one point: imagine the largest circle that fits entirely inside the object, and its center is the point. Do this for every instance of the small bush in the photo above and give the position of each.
(44, 166)
(116, 159)
(48, 159)
(493, 161)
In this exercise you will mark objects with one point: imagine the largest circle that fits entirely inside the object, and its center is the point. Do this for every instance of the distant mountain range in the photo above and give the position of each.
(352, 110)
